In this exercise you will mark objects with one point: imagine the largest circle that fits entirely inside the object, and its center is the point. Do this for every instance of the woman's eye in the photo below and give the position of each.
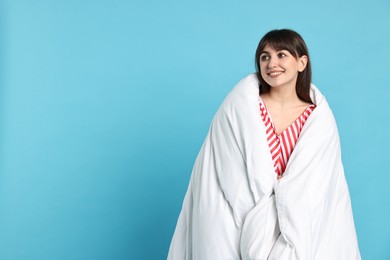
(264, 57)
(281, 55)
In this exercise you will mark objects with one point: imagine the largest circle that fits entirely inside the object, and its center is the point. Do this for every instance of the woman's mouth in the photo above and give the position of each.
(274, 74)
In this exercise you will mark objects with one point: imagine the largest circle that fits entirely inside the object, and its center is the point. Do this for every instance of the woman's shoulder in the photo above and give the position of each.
(242, 95)
(247, 86)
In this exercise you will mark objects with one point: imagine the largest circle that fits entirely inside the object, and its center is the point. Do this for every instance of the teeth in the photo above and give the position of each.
(275, 73)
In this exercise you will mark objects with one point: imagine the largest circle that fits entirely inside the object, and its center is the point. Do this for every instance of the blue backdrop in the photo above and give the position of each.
(105, 104)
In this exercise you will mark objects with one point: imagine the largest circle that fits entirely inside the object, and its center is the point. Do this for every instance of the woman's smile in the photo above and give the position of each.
(275, 73)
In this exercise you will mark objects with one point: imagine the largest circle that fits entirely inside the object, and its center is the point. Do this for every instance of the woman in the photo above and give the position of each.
(268, 182)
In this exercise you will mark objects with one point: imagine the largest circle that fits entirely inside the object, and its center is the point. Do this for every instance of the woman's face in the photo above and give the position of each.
(280, 68)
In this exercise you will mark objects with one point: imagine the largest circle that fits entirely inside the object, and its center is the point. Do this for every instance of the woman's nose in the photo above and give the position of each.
(272, 62)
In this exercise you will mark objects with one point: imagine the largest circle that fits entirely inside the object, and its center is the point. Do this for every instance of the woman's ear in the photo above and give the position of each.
(302, 62)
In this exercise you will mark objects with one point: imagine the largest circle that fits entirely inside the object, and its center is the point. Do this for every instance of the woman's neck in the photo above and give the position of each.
(282, 98)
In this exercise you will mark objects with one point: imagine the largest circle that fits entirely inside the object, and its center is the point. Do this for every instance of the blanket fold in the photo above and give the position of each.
(236, 208)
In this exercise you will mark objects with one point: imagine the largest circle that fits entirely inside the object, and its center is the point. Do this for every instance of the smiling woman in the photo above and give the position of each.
(290, 49)
(268, 182)
(284, 72)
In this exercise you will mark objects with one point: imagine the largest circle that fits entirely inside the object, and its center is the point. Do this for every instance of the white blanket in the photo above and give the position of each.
(235, 208)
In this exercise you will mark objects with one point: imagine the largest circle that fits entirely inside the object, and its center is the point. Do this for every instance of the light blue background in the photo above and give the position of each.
(105, 104)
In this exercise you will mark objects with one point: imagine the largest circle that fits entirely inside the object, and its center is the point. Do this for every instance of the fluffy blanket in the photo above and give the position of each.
(236, 208)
